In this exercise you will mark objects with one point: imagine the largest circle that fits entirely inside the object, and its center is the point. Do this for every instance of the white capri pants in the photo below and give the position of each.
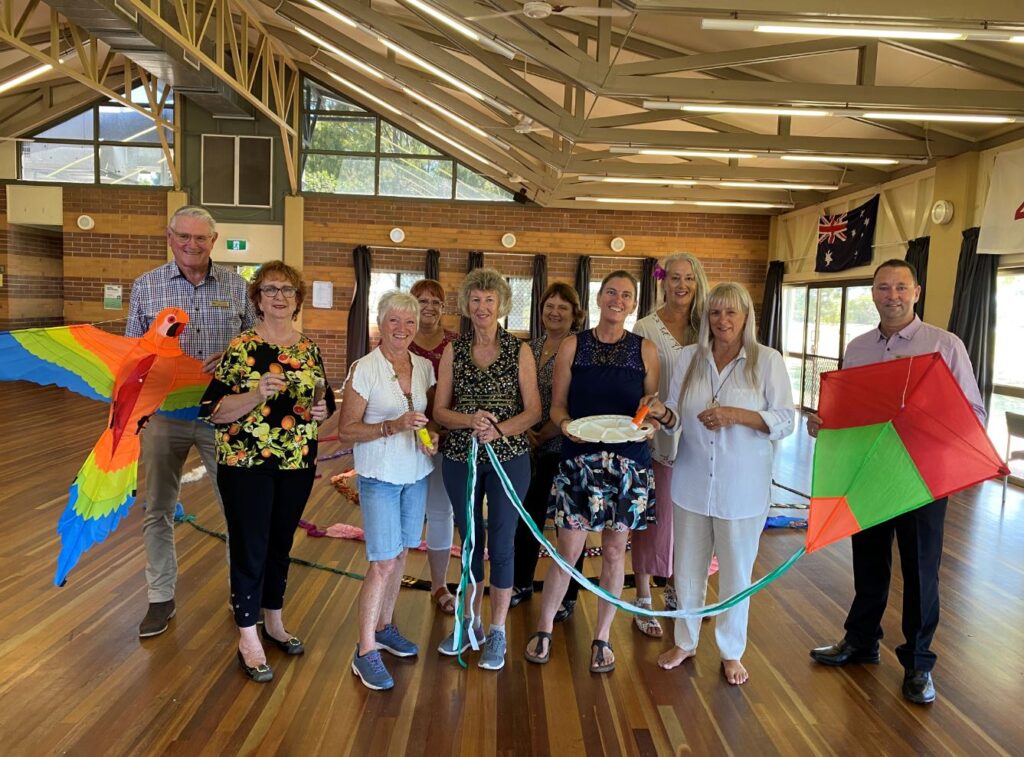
(697, 538)
(440, 528)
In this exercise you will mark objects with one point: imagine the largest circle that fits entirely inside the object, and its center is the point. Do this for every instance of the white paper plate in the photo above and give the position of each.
(612, 429)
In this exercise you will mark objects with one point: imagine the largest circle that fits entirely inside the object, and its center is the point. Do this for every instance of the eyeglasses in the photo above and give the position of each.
(272, 292)
(197, 238)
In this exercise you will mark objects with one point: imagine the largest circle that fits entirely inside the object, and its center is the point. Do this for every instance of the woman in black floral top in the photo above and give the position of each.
(487, 389)
(267, 398)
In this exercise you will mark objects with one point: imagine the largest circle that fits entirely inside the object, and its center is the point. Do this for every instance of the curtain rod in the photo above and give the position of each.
(398, 249)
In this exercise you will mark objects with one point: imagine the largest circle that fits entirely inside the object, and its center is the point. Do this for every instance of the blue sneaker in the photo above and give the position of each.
(371, 671)
(447, 646)
(493, 657)
(390, 640)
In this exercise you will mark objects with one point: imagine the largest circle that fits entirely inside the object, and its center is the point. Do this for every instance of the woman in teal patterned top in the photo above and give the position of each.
(487, 388)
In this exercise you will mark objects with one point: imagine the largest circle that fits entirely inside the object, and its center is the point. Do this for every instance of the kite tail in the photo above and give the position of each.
(98, 499)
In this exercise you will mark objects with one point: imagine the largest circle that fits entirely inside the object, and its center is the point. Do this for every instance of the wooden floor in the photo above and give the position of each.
(76, 679)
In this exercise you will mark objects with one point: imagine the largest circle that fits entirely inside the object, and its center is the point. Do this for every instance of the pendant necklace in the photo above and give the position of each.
(714, 399)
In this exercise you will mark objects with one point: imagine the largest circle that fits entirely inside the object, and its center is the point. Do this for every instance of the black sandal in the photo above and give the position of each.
(259, 674)
(566, 610)
(539, 659)
(598, 664)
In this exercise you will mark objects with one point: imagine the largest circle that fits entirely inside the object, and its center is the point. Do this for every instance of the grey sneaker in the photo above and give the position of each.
(493, 657)
(390, 640)
(371, 671)
(157, 617)
(447, 647)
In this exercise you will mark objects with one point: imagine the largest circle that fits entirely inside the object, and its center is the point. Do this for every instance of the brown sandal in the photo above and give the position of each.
(544, 645)
(444, 600)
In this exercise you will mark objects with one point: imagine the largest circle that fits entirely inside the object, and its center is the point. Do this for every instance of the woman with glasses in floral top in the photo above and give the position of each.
(267, 398)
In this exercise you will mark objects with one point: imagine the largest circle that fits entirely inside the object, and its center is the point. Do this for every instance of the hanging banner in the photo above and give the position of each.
(1002, 223)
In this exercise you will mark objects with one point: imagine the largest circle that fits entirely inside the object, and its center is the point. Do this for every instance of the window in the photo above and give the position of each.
(385, 281)
(347, 149)
(518, 318)
(595, 312)
(1008, 392)
(818, 323)
(106, 144)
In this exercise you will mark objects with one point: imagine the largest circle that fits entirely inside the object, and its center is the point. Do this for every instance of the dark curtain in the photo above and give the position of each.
(974, 309)
(769, 331)
(540, 283)
(474, 260)
(432, 269)
(358, 343)
(917, 256)
(583, 287)
(648, 287)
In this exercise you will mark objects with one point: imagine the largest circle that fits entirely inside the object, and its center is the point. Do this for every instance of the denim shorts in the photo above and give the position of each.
(392, 516)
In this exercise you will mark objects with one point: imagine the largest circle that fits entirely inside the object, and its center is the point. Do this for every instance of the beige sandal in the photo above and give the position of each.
(649, 626)
(444, 600)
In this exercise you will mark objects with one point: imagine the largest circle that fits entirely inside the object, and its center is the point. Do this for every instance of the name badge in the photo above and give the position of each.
(220, 304)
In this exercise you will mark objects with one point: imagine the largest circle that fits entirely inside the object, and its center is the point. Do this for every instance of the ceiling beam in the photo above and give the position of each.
(965, 55)
(925, 11)
(745, 57)
(849, 95)
(603, 162)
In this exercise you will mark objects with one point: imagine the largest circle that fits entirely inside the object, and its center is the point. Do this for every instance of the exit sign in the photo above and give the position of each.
(237, 245)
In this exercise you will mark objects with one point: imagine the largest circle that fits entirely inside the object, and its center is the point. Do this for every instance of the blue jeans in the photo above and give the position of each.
(392, 516)
(502, 517)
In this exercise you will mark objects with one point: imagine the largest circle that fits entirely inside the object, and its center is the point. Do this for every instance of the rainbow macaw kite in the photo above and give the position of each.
(138, 376)
(895, 436)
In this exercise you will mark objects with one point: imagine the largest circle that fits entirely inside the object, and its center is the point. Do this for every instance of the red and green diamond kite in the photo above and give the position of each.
(895, 436)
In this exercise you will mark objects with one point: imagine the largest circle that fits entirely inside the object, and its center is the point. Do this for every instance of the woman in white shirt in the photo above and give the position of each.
(387, 399)
(731, 398)
(671, 327)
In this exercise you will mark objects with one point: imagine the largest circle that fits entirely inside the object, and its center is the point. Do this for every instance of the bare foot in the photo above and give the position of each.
(734, 672)
(673, 658)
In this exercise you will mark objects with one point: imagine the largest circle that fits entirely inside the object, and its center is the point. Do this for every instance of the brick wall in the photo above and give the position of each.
(32, 292)
(732, 247)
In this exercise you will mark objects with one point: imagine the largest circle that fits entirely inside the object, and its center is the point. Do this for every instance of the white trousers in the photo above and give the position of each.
(439, 510)
(697, 538)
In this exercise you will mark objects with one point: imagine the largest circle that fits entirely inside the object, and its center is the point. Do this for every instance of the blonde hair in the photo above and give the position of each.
(699, 297)
(726, 294)
(397, 300)
(485, 280)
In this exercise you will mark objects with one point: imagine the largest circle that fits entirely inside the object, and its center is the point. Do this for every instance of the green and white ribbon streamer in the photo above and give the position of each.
(468, 545)
(601, 593)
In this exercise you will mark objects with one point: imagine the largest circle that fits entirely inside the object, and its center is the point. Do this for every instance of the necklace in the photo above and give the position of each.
(714, 399)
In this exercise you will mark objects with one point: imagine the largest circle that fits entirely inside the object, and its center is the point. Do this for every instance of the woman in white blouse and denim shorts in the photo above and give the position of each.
(732, 400)
(387, 398)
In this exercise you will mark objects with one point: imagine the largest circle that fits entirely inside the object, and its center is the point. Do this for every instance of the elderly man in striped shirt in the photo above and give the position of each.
(218, 307)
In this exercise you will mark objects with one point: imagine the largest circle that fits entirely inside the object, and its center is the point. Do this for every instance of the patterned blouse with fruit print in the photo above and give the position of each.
(280, 432)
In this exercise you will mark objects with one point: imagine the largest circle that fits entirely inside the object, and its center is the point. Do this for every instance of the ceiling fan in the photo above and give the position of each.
(525, 125)
(538, 10)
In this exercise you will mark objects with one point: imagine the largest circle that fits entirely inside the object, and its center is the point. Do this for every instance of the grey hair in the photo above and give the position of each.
(194, 211)
(485, 280)
(726, 294)
(397, 300)
(699, 297)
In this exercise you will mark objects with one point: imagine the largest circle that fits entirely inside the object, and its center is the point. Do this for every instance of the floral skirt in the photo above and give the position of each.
(602, 490)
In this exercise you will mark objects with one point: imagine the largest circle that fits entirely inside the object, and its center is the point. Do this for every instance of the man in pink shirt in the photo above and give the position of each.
(918, 533)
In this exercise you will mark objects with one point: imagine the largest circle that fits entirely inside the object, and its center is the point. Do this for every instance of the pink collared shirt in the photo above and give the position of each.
(918, 338)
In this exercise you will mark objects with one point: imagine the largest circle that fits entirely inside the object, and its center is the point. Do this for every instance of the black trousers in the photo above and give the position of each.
(538, 497)
(262, 508)
(919, 539)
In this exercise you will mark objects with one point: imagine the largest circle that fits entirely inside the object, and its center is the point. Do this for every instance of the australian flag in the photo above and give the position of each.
(845, 239)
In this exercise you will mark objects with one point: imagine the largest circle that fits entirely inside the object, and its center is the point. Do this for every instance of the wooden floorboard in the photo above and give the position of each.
(76, 679)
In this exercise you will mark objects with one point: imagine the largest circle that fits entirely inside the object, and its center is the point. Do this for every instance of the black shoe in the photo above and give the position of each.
(520, 595)
(259, 674)
(842, 652)
(918, 687)
(292, 646)
(157, 617)
(566, 610)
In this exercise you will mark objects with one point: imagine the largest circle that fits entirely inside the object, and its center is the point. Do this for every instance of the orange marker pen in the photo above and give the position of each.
(639, 417)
